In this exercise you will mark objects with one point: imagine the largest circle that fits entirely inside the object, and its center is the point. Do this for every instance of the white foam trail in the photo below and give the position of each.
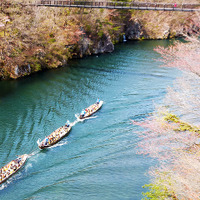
(58, 144)
(33, 153)
(81, 120)
(74, 123)
(38, 141)
(77, 116)
(10, 180)
(27, 166)
(4, 185)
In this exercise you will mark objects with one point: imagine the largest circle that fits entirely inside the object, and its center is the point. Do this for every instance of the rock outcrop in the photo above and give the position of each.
(21, 71)
(105, 45)
(161, 25)
(134, 30)
(87, 46)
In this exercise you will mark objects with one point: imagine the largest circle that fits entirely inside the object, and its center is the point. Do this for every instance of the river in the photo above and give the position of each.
(98, 160)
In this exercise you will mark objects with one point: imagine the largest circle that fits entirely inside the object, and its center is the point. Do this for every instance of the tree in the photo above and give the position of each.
(175, 142)
(184, 56)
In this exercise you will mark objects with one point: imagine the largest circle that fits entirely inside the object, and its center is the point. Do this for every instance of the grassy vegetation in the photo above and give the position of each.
(181, 126)
(157, 192)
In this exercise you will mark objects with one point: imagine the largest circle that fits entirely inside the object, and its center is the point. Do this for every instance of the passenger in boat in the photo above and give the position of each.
(11, 171)
(19, 160)
(66, 126)
(15, 167)
(5, 168)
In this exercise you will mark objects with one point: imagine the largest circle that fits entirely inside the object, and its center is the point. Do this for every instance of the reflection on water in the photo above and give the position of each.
(98, 159)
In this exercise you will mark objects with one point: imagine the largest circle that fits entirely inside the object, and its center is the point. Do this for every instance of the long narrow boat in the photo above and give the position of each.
(87, 112)
(12, 167)
(55, 136)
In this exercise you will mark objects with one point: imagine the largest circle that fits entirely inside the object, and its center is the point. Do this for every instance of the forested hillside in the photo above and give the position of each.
(34, 38)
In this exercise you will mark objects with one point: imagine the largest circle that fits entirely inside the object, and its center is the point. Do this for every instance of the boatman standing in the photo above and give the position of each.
(98, 101)
(46, 141)
(83, 113)
(67, 124)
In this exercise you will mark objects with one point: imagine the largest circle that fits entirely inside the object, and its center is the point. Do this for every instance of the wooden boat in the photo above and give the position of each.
(12, 167)
(55, 137)
(87, 112)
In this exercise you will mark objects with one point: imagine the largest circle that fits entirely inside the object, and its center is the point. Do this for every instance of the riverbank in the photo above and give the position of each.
(34, 39)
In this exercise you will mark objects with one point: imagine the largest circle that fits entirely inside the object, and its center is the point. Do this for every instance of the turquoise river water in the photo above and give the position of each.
(98, 160)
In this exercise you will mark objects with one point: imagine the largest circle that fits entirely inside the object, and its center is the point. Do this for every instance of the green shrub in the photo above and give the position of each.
(52, 40)
(182, 126)
(171, 118)
(37, 67)
(156, 192)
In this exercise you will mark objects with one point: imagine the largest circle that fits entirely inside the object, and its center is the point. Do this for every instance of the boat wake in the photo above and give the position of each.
(38, 141)
(74, 123)
(4, 185)
(77, 118)
(29, 165)
(33, 153)
(58, 144)
(10, 180)
(81, 120)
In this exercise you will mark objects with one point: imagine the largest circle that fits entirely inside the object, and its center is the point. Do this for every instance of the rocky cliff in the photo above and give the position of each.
(33, 39)
(161, 25)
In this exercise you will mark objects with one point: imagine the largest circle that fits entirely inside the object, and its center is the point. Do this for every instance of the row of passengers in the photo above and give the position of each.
(9, 168)
(53, 137)
(90, 109)
(56, 135)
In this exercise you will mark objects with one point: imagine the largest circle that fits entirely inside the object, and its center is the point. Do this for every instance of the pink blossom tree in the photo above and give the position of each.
(175, 142)
(184, 56)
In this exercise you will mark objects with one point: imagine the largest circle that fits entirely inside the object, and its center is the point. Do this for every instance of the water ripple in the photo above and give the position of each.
(98, 159)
